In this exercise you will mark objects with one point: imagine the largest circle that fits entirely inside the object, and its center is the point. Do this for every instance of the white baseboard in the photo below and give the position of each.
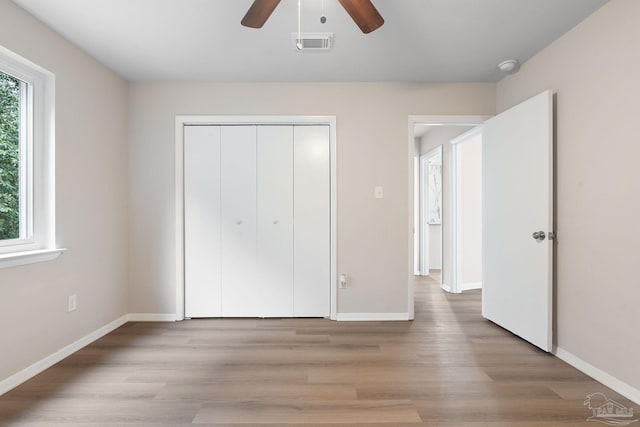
(151, 317)
(371, 317)
(33, 370)
(463, 287)
(470, 286)
(446, 288)
(610, 381)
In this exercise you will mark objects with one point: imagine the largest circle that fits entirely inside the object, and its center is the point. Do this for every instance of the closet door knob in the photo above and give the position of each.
(275, 222)
(239, 222)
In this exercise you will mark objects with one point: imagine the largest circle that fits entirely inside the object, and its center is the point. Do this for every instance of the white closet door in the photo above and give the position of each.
(202, 220)
(311, 221)
(275, 220)
(238, 188)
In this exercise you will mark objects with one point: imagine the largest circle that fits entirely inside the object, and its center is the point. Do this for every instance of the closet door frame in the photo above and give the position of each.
(182, 121)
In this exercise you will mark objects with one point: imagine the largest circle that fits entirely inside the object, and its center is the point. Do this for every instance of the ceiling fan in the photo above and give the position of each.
(363, 13)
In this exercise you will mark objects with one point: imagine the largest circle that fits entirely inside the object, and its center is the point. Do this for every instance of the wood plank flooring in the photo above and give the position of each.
(447, 368)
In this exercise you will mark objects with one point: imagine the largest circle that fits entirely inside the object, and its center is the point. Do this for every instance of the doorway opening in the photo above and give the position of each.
(517, 267)
(429, 191)
(438, 230)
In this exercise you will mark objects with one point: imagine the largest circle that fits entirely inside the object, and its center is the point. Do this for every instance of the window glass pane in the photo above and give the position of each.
(10, 96)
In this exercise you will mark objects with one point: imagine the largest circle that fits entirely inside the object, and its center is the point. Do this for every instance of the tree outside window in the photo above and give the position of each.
(9, 157)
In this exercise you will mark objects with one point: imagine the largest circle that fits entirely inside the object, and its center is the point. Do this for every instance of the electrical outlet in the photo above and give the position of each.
(72, 303)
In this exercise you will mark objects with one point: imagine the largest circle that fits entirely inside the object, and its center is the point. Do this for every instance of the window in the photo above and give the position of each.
(13, 144)
(26, 162)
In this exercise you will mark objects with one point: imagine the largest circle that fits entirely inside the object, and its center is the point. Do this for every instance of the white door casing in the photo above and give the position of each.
(424, 213)
(518, 201)
(417, 228)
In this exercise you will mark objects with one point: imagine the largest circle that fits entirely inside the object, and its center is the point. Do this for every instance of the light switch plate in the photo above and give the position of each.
(378, 192)
(72, 303)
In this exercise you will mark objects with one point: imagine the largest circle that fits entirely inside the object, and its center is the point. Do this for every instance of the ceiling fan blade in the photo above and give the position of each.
(364, 14)
(259, 12)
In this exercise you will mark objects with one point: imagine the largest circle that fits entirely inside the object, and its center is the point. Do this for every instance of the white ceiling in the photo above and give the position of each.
(421, 40)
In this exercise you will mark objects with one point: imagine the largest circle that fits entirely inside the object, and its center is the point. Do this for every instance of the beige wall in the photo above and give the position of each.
(594, 69)
(416, 146)
(440, 135)
(435, 247)
(471, 210)
(373, 149)
(91, 188)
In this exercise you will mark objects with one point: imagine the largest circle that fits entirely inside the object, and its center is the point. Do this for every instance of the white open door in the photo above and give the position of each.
(518, 219)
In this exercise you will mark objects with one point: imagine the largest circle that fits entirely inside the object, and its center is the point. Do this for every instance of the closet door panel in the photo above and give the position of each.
(238, 194)
(202, 220)
(275, 220)
(311, 221)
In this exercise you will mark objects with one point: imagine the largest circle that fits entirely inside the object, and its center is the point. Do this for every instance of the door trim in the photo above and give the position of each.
(417, 265)
(423, 238)
(204, 120)
(434, 120)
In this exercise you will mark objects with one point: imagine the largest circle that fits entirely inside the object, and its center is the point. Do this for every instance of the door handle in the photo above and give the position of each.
(275, 222)
(239, 222)
(539, 236)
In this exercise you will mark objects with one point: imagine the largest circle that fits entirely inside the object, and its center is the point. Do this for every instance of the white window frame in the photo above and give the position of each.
(37, 162)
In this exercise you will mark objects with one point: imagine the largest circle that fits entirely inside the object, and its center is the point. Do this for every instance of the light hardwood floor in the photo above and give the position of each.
(447, 368)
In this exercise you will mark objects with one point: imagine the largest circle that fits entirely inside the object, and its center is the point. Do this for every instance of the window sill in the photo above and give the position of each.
(29, 257)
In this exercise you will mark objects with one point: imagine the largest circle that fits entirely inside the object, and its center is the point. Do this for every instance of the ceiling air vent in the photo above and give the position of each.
(312, 42)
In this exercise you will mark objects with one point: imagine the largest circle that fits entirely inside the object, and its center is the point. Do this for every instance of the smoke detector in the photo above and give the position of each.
(312, 42)
(509, 66)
